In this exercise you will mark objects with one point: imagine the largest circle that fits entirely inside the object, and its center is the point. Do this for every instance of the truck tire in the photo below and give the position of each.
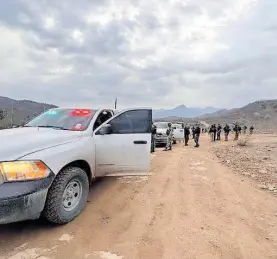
(174, 142)
(67, 196)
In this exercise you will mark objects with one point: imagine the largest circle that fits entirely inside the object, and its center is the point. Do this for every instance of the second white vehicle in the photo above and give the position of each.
(47, 166)
(178, 132)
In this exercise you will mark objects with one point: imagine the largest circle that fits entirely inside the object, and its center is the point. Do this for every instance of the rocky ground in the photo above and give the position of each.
(256, 160)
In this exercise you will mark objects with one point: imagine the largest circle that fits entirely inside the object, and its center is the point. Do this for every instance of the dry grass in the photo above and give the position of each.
(243, 142)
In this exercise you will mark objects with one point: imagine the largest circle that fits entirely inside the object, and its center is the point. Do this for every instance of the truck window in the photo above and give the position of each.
(177, 126)
(130, 122)
(102, 117)
(161, 125)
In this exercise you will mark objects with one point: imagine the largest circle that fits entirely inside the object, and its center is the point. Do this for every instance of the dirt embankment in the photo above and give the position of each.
(256, 160)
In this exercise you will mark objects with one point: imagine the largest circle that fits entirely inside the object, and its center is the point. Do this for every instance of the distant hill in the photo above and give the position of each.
(261, 114)
(23, 110)
(183, 112)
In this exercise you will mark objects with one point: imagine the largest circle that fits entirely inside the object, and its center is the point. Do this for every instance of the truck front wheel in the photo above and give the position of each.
(67, 196)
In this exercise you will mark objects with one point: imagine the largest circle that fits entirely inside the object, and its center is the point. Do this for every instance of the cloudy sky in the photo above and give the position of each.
(159, 53)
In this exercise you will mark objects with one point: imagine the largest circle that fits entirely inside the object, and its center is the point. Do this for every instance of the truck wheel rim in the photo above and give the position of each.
(72, 195)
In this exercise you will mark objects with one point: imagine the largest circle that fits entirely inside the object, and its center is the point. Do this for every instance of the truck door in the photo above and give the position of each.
(125, 150)
(178, 131)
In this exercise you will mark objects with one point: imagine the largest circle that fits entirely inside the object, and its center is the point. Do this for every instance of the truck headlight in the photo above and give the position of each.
(23, 170)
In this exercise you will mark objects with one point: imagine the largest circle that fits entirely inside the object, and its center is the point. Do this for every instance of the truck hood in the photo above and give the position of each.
(19, 142)
(161, 131)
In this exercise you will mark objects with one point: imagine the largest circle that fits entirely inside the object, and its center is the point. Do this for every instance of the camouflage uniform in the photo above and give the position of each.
(169, 133)
(237, 131)
(153, 137)
(187, 133)
(227, 131)
(197, 135)
(219, 128)
(251, 130)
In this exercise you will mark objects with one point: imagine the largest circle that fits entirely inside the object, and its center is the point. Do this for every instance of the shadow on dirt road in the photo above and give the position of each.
(21, 231)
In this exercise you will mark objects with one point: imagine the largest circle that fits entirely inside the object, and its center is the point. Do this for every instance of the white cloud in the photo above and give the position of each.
(78, 36)
(161, 53)
(49, 22)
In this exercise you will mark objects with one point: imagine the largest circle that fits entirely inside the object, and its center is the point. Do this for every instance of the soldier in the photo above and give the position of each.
(153, 137)
(226, 131)
(219, 128)
(169, 133)
(197, 135)
(236, 130)
(193, 132)
(187, 133)
(244, 129)
(213, 132)
(251, 130)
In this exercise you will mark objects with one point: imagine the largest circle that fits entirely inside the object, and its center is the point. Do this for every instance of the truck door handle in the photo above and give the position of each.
(140, 142)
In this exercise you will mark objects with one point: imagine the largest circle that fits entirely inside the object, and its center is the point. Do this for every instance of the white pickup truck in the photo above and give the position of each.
(47, 166)
(178, 132)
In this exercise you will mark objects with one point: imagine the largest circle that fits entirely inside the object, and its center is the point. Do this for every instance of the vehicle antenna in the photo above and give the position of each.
(115, 103)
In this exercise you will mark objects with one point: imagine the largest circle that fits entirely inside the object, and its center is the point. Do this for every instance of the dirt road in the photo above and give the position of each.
(190, 207)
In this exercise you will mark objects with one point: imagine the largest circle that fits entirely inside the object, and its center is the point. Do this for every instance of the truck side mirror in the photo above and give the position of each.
(105, 129)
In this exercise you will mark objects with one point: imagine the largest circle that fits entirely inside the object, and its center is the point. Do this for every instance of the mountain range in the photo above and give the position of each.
(22, 110)
(262, 114)
(183, 111)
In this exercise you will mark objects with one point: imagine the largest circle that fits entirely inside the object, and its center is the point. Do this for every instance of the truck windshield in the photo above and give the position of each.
(177, 126)
(64, 119)
(161, 125)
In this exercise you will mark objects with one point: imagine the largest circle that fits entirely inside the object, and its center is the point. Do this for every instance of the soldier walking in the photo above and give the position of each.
(169, 133)
(213, 132)
(193, 132)
(237, 131)
(219, 128)
(187, 133)
(240, 129)
(197, 135)
(251, 130)
(226, 131)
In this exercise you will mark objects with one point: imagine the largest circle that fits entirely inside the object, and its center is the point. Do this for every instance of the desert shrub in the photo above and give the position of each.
(243, 142)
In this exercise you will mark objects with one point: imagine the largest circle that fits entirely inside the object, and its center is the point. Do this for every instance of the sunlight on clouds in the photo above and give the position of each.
(78, 36)
(49, 22)
(239, 8)
(61, 70)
